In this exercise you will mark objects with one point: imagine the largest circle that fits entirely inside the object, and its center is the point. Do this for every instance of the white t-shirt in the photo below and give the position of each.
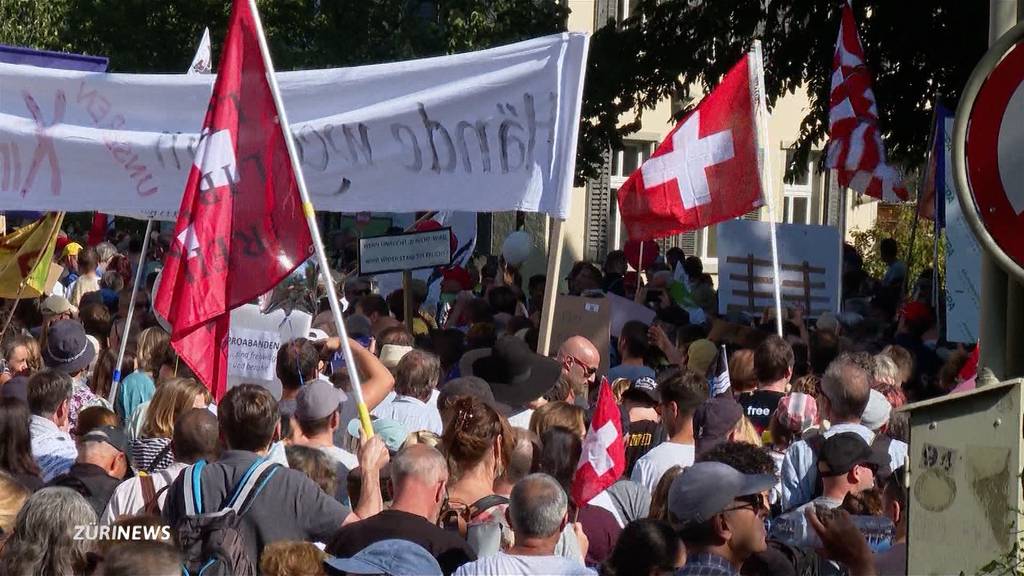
(652, 466)
(502, 564)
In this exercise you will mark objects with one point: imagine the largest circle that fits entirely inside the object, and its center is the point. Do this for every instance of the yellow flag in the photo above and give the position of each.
(26, 255)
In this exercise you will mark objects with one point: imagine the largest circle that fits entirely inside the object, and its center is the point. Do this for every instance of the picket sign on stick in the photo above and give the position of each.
(766, 177)
(116, 381)
(547, 314)
(314, 228)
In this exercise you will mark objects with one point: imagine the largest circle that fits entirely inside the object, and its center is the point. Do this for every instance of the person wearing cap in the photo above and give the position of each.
(318, 418)
(633, 347)
(701, 356)
(68, 350)
(419, 475)
(416, 378)
(845, 391)
(538, 512)
(387, 557)
(796, 413)
(846, 464)
(718, 513)
(773, 365)
(714, 422)
(101, 465)
(681, 392)
(49, 400)
(640, 402)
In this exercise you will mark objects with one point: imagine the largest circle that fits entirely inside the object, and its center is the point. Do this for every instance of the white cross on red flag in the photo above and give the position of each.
(705, 171)
(603, 459)
(241, 228)
(855, 148)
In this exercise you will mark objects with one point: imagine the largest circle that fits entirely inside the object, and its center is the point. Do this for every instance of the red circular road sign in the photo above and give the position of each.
(994, 153)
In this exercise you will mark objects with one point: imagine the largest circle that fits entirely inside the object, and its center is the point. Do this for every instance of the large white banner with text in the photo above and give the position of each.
(492, 130)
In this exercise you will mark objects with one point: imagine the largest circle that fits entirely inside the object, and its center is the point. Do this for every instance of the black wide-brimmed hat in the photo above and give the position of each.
(516, 374)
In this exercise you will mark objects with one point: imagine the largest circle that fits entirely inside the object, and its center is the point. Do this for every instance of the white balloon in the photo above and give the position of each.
(517, 247)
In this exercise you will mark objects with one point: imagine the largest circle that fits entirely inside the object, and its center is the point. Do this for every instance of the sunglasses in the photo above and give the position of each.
(587, 370)
(755, 503)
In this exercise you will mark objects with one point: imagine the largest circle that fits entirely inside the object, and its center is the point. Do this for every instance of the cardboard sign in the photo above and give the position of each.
(253, 341)
(587, 317)
(808, 260)
(623, 310)
(409, 251)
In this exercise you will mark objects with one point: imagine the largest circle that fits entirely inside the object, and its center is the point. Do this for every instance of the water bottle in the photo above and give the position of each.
(793, 529)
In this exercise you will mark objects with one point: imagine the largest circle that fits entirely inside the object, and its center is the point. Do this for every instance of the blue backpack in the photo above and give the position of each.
(213, 544)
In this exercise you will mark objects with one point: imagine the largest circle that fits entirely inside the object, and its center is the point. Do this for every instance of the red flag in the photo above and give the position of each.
(98, 231)
(855, 148)
(604, 453)
(241, 229)
(706, 169)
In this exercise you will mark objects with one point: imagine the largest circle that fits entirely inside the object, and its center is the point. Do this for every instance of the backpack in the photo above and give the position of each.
(456, 515)
(150, 495)
(880, 444)
(213, 544)
(485, 538)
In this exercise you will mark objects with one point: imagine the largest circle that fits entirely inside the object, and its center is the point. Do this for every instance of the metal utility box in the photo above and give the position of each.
(965, 479)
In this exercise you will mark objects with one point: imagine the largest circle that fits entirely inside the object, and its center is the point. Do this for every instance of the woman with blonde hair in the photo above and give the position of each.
(140, 385)
(151, 452)
(562, 414)
(21, 357)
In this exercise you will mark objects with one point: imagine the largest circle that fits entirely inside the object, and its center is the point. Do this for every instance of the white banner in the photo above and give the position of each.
(253, 341)
(492, 130)
(808, 257)
(963, 262)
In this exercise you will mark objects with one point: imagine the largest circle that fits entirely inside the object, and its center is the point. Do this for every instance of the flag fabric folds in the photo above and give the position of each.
(26, 255)
(603, 459)
(241, 228)
(855, 148)
(721, 381)
(931, 202)
(705, 171)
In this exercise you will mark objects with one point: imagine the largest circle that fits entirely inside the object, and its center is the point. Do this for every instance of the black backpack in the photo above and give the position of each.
(213, 544)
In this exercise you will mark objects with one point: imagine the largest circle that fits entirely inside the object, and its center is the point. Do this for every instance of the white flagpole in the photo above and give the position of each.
(314, 228)
(547, 311)
(766, 180)
(200, 65)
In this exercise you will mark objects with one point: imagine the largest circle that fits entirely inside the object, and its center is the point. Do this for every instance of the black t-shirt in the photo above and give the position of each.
(759, 406)
(643, 435)
(450, 550)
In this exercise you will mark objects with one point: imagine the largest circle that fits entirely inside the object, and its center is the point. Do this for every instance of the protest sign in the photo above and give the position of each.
(623, 310)
(482, 131)
(253, 341)
(808, 258)
(587, 317)
(963, 261)
(409, 251)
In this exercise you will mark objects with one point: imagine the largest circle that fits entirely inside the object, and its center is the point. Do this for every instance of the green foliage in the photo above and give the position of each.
(919, 258)
(915, 48)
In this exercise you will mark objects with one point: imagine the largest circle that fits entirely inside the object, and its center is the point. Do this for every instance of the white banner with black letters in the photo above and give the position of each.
(492, 130)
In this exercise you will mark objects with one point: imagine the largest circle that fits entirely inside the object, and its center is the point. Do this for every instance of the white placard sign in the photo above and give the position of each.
(963, 262)
(809, 261)
(483, 131)
(253, 341)
(405, 251)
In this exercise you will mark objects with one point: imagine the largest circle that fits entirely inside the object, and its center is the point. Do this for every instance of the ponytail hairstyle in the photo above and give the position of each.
(471, 426)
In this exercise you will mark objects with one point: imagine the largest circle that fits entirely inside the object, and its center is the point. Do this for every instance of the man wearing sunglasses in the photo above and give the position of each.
(719, 515)
(580, 360)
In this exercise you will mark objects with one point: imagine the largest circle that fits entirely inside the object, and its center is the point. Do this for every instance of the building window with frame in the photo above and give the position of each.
(625, 161)
(797, 194)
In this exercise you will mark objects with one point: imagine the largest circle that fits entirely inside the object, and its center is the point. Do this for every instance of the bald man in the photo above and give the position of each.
(419, 475)
(580, 361)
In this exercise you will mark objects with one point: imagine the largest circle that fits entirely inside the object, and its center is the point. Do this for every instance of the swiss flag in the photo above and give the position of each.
(604, 453)
(241, 227)
(705, 171)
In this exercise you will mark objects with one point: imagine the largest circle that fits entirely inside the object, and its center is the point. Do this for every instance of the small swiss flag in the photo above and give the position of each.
(603, 459)
(705, 171)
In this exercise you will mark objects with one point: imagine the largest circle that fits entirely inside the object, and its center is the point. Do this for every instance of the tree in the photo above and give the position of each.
(919, 257)
(917, 49)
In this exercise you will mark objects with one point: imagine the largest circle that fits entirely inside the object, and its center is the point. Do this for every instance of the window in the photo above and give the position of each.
(796, 194)
(625, 161)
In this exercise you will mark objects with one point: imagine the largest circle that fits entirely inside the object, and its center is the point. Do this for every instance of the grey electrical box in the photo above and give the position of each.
(965, 479)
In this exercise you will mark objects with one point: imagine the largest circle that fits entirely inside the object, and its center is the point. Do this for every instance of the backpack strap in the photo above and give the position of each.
(148, 490)
(194, 488)
(259, 482)
(252, 483)
(485, 503)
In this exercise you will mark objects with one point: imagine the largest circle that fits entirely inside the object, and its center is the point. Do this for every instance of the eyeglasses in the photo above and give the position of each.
(587, 370)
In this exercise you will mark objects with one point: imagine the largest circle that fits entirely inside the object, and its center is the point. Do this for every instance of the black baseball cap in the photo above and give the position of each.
(841, 452)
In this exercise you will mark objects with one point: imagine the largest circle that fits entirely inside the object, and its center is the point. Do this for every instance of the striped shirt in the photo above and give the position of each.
(53, 449)
(145, 451)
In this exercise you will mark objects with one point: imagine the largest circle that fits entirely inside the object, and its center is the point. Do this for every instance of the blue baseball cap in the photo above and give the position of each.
(391, 557)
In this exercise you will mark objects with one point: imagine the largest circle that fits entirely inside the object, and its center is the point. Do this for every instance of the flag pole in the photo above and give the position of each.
(766, 181)
(314, 228)
(116, 380)
(547, 313)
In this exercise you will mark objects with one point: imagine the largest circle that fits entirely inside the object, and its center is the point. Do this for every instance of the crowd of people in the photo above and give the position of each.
(476, 436)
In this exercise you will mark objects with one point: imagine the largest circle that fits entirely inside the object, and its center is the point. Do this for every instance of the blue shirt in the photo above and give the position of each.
(629, 372)
(53, 449)
(134, 390)
(800, 471)
(707, 564)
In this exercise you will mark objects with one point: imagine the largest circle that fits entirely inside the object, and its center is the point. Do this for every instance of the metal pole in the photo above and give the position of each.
(116, 381)
(314, 228)
(842, 236)
(767, 182)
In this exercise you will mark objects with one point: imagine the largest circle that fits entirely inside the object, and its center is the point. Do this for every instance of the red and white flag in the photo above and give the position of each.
(241, 228)
(603, 459)
(855, 148)
(705, 171)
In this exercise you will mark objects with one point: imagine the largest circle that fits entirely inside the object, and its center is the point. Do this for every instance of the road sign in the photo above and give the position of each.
(988, 151)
